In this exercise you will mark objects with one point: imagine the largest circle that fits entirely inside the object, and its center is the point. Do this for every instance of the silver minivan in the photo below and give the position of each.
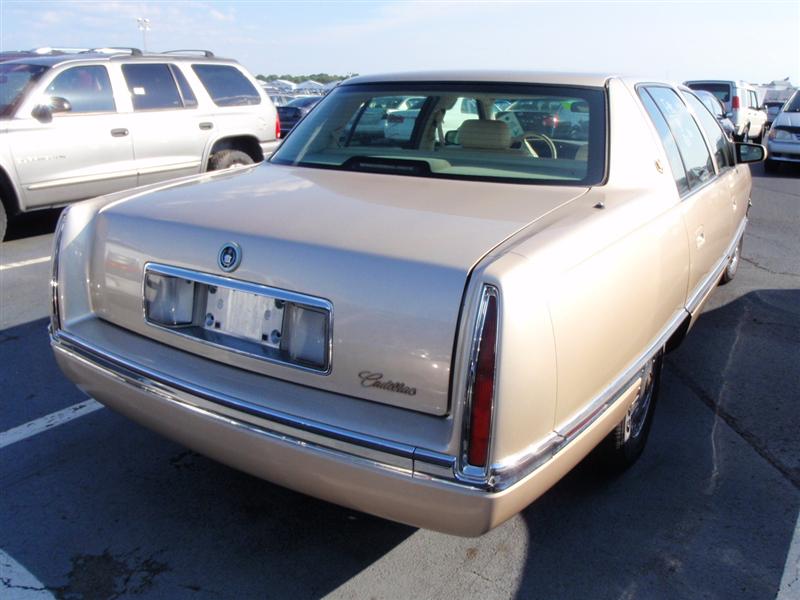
(80, 125)
(742, 105)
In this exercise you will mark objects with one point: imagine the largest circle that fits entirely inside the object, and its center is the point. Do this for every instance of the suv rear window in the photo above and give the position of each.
(720, 90)
(226, 85)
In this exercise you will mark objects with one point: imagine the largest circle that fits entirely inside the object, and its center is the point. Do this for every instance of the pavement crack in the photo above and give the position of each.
(6, 583)
(734, 424)
(767, 269)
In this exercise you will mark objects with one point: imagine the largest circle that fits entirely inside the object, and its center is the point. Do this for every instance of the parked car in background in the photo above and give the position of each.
(434, 332)
(713, 104)
(772, 108)
(783, 141)
(82, 125)
(741, 101)
(280, 99)
(294, 110)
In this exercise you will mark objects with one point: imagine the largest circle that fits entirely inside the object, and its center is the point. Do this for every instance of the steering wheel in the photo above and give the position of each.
(533, 135)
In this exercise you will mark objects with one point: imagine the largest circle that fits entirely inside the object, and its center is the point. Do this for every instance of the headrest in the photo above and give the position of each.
(489, 135)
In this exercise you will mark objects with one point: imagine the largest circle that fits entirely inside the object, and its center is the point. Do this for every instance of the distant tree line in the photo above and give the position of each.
(321, 77)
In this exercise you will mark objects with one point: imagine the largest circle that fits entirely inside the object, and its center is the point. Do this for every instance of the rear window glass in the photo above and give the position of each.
(514, 132)
(227, 85)
(152, 86)
(720, 90)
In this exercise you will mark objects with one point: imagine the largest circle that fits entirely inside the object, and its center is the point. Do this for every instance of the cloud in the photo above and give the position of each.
(220, 16)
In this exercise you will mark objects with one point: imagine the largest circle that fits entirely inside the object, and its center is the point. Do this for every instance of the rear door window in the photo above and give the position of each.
(668, 141)
(694, 152)
(723, 152)
(152, 86)
(87, 89)
(227, 85)
(189, 99)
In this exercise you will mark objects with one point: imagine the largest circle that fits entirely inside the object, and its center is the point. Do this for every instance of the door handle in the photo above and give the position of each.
(205, 125)
(700, 237)
(121, 132)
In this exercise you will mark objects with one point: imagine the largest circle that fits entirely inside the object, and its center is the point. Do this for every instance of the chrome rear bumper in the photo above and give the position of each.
(385, 478)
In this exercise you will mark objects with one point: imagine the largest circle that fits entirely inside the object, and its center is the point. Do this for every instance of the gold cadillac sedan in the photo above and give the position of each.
(430, 314)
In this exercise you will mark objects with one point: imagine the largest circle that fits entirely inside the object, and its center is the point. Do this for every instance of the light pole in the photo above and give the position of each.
(144, 27)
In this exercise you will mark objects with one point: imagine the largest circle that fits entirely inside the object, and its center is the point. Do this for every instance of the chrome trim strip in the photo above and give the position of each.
(173, 167)
(703, 289)
(167, 387)
(511, 469)
(149, 387)
(250, 288)
(75, 180)
(55, 307)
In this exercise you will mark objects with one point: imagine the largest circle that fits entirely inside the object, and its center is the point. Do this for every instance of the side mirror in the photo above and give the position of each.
(750, 153)
(58, 104)
(451, 137)
(55, 104)
(42, 113)
(728, 115)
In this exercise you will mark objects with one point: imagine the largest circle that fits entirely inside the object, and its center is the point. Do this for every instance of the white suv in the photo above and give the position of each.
(82, 125)
(741, 106)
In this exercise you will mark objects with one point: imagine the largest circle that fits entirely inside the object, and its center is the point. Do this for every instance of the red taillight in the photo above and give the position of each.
(480, 420)
(735, 102)
(277, 128)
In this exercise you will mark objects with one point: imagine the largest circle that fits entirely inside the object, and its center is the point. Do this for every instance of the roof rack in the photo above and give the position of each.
(206, 53)
(113, 50)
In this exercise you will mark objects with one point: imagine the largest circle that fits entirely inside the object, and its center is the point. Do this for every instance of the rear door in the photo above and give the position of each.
(169, 129)
(705, 205)
(79, 153)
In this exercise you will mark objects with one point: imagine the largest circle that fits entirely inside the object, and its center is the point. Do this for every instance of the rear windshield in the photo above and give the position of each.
(504, 132)
(15, 81)
(793, 105)
(720, 90)
(226, 85)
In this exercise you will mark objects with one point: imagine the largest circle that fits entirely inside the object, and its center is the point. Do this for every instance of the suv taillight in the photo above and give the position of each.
(481, 383)
(277, 127)
(735, 102)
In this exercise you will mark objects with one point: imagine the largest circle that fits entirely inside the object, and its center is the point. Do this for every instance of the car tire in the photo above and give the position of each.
(733, 264)
(771, 165)
(3, 222)
(226, 159)
(623, 446)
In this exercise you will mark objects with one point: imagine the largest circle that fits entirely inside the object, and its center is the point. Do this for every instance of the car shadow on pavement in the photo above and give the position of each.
(103, 508)
(710, 508)
(31, 224)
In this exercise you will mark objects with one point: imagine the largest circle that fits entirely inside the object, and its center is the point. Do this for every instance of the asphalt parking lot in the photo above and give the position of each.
(96, 507)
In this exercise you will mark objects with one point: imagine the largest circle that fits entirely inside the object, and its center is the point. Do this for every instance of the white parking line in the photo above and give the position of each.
(25, 263)
(20, 583)
(790, 582)
(17, 434)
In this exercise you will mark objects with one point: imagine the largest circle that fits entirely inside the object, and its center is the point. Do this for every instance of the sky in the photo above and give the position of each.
(757, 41)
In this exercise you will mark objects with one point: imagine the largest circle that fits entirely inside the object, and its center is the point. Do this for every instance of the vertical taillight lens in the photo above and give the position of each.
(735, 102)
(482, 374)
(277, 127)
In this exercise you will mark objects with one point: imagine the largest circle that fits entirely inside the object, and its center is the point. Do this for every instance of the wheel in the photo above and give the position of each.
(625, 443)
(771, 165)
(3, 222)
(225, 159)
(733, 264)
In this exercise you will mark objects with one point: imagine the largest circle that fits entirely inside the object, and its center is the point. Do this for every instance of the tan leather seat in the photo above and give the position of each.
(484, 135)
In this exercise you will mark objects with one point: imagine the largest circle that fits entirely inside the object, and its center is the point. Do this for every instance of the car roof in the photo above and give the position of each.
(541, 77)
(58, 59)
